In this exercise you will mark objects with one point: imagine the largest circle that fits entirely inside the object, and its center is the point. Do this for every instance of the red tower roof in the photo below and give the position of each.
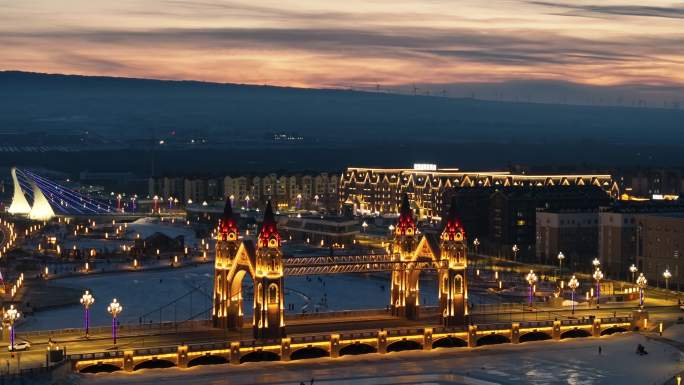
(452, 228)
(227, 224)
(269, 229)
(405, 224)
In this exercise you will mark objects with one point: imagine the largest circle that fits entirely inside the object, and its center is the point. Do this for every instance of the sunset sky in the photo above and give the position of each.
(314, 43)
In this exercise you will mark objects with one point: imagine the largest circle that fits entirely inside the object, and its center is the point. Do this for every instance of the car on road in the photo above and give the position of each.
(20, 345)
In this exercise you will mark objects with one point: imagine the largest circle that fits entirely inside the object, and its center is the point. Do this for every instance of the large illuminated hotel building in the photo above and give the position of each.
(379, 190)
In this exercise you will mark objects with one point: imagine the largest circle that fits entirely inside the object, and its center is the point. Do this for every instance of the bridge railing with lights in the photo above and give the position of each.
(340, 264)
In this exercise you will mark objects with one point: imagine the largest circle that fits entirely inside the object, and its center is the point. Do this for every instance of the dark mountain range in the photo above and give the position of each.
(125, 108)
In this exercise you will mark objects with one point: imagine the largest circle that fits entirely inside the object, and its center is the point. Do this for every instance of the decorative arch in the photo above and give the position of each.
(458, 284)
(273, 293)
(230, 271)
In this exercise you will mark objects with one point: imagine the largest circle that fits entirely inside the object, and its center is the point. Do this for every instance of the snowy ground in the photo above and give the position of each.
(573, 362)
(148, 226)
(144, 294)
(675, 333)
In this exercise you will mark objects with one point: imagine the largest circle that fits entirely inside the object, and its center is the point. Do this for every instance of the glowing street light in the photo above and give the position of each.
(515, 249)
(531, 279)
(573, 284)
(87, 300)
(10, 316)
(391, 228)
(561, 257)
(596, 263)
(114, 309)
(633, 269)
(667, 275)
(476, 243)
(364, 225)
(641, 283)
(598, 276)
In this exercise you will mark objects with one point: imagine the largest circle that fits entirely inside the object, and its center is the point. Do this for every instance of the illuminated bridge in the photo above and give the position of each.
(341, 264)
(50, 199)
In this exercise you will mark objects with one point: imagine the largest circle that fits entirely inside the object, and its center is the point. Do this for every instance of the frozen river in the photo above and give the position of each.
(180, 294)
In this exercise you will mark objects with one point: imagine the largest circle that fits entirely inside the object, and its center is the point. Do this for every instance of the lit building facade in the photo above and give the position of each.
(296, 191)
(660, 247)
(572, 232)
(620, 230)
(379, 190)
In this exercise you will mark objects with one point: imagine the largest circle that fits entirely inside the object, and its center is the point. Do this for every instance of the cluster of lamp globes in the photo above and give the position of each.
(573, 283)
(114, 308)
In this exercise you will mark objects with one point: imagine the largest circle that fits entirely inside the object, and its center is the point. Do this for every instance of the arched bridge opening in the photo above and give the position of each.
(613, 330)
(534, 336)
(449, 342)
(100, 368)
(357, 348)
(258, 356)
(154, 364)
(207, 359)
(575, 333)
(309, 352)
(492, 339)
(402, 345)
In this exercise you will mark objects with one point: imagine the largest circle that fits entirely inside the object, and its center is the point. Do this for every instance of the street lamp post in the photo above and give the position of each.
(598, 276)
(10, 316)
(596, 263)
(515, 249)
(633, 269)
(641, 283)
(87, 300)
(573, 284)
(476, 243)
(561, 257)
(667, 275)
(531, 280)
(114, 309)
(364, 225)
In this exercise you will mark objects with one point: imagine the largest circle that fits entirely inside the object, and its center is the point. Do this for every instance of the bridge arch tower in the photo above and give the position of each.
(229, 270)
(235, 259)
(404, 294)
(446, 252)
(453, 287)
(269, 293)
